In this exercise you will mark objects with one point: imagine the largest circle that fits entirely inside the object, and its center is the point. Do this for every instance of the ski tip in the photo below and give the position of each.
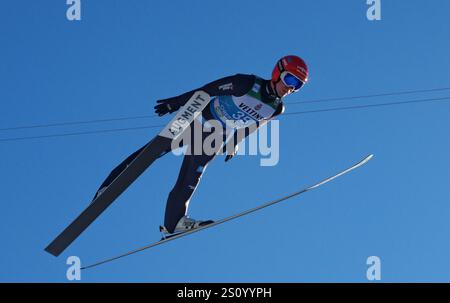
(52, 251)
(369, 157)
(365, 160)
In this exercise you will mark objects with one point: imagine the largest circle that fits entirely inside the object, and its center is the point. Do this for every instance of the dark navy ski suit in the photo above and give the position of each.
(241, 96)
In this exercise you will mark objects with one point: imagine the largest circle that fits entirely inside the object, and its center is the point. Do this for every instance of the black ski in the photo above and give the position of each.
(152, 151)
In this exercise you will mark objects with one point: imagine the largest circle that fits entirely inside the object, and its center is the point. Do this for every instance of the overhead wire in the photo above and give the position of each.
(447, 98)
(115, 119)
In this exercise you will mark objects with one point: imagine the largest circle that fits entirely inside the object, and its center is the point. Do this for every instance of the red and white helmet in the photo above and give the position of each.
(292, 64)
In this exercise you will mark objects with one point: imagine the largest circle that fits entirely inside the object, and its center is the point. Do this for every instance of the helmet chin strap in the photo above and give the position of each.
(273, 91)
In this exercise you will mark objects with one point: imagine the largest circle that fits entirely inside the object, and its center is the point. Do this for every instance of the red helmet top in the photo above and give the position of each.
(293, 64)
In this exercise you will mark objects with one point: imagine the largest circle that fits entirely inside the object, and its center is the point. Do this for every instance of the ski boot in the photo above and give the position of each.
(184, 224)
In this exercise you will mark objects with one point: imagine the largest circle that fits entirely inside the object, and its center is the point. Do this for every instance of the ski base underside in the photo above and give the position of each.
(148, 155)
(182, 234)
(152, 151)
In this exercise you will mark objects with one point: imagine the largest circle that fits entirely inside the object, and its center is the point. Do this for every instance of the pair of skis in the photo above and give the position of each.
(152, 151)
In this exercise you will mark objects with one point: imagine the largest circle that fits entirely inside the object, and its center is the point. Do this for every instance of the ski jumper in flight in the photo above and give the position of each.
(248, 101)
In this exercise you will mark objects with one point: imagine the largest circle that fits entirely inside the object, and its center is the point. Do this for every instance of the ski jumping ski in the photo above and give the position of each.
(177, 236)
(152, 151)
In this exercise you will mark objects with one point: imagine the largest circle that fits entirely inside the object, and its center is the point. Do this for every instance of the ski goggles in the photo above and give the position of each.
(291, 80)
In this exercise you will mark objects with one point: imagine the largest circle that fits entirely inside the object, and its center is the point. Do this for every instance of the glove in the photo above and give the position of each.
(166, 106)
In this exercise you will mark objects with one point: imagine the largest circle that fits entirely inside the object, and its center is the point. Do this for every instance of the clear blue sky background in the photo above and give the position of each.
(124, 55)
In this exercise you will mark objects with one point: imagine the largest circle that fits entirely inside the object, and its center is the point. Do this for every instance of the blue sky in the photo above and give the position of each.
(124, 55)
